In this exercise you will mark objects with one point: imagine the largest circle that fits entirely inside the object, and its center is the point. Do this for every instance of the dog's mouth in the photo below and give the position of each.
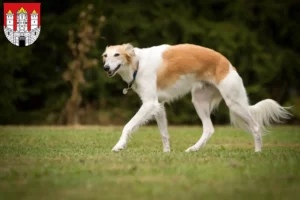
(112, 73)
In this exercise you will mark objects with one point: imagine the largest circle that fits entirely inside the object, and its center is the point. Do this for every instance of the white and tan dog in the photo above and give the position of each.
(164, 73)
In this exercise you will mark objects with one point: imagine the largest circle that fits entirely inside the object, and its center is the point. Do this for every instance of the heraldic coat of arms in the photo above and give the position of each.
(22, 23)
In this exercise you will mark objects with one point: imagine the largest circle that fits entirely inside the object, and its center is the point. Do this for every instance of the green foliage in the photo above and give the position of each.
(67, 163)
(260, 38)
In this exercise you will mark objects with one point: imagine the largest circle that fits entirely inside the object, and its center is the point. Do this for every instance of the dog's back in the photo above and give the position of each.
(206, 64)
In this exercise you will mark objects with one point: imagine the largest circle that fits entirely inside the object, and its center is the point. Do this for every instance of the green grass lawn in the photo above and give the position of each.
(77, 163)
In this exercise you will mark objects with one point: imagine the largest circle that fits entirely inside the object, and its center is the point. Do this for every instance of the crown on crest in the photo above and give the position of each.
(22, 10)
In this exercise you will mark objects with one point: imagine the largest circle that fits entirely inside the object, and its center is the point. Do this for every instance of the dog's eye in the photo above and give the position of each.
(117, 54)
(105, 55)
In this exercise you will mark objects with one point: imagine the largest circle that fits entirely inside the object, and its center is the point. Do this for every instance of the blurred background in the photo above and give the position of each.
(60, 78)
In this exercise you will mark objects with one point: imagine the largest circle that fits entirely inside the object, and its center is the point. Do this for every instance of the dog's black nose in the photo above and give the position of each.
(106, 67)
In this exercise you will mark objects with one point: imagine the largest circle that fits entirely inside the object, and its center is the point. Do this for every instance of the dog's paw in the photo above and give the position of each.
(116, 149)
(119, 147)
(192, 148)
(167, 150)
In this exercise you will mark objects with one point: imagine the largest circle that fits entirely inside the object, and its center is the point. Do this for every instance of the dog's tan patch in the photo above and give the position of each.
(182, 59)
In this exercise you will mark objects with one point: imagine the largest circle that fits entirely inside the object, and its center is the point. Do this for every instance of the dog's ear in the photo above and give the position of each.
(129, 49)
(129, 52)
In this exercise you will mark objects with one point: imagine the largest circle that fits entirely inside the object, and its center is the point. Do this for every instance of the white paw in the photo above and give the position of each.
(119, 147)
(192, 148)
(167, 150)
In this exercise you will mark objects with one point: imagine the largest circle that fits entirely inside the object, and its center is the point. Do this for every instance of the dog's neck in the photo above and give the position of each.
(127, 72)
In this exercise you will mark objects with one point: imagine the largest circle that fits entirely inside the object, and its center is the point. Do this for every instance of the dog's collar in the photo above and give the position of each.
(125, 90)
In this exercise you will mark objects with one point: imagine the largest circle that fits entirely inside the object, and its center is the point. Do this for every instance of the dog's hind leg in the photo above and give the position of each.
(234, 94)
(205, 99)
(162, 124)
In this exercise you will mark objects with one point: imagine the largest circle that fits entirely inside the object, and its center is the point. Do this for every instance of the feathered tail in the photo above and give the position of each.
(264, 113)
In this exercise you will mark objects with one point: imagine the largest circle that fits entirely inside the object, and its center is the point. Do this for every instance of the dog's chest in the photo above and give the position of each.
(180, 88)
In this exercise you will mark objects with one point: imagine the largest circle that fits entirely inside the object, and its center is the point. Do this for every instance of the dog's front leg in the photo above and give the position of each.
(147, 110)
(162, 123)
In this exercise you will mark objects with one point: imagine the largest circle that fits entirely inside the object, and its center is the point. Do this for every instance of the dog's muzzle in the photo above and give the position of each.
(112, 73)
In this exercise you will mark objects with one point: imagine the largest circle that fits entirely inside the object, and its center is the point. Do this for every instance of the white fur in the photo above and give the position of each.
(205, 97)
(265, 113)
(181, 87)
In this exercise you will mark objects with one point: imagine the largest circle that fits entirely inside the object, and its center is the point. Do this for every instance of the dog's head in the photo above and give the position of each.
(117, 58)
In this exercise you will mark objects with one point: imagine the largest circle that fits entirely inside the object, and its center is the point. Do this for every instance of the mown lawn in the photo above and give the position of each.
(77, 163)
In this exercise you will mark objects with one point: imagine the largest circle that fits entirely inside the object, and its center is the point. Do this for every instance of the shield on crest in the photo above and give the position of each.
(22, 22)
